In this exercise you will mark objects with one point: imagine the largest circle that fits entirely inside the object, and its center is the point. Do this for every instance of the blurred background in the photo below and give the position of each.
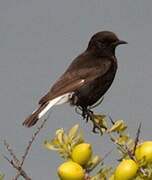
(38, 40)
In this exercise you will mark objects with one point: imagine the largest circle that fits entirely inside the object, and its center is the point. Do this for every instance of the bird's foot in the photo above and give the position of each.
(99, 123)
(97, 120)
(87, 114)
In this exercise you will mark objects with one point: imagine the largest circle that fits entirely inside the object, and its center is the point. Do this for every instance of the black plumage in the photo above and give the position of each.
(87, 78)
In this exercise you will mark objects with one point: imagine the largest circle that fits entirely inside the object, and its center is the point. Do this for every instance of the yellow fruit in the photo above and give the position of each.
(82, 153)
(71, 171)
(144, 151)
(126, 170)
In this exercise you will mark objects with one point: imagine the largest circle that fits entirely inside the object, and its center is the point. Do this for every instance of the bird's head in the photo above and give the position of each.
(104, 43)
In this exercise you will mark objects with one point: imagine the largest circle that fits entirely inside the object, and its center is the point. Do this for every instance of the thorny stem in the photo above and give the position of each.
(137, 138)
(31, 141)
(88, 114)
(15, 162)
(19, 169)
(10, 150)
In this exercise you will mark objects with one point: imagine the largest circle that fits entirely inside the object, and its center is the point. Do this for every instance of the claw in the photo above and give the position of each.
(87, 115)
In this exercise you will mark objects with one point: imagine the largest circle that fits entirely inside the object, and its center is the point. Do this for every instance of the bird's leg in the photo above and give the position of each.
(96, 126)
(89, 115)
(85, 114)
(82, 111)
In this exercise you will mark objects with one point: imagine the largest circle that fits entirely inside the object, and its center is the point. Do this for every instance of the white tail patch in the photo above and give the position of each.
(56, 101)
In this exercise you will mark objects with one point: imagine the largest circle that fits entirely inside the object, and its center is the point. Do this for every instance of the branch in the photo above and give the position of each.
(10, 150)
(32, 140)
(21, 171)
(15, 162)
(137, 138)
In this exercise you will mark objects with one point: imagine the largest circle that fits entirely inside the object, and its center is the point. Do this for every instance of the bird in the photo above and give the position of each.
(87, 78)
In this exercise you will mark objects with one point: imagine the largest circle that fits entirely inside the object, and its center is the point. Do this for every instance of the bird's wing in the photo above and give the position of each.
(75, 78)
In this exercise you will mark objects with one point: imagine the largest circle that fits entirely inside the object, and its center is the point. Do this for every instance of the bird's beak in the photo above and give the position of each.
(121, 42)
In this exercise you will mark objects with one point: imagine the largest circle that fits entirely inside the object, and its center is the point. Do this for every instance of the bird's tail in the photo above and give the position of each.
(34, 117)
(43, 109)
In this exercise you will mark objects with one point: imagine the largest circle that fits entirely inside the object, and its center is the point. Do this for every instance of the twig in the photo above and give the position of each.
(129, 152)
(11, 152)
(137, 138)
(125, 149)
(17, 176)
(15, 162)
(22, 172)
(107, 154)
(112, 121)
(32, 140)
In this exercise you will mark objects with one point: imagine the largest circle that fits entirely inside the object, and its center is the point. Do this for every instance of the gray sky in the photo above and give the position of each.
(38, 40)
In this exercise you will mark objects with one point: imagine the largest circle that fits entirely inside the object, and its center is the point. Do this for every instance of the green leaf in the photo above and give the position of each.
(93, 162)
(59, 135)
(73, 132)
(50, 146)
(118, 126)
(122, 139)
